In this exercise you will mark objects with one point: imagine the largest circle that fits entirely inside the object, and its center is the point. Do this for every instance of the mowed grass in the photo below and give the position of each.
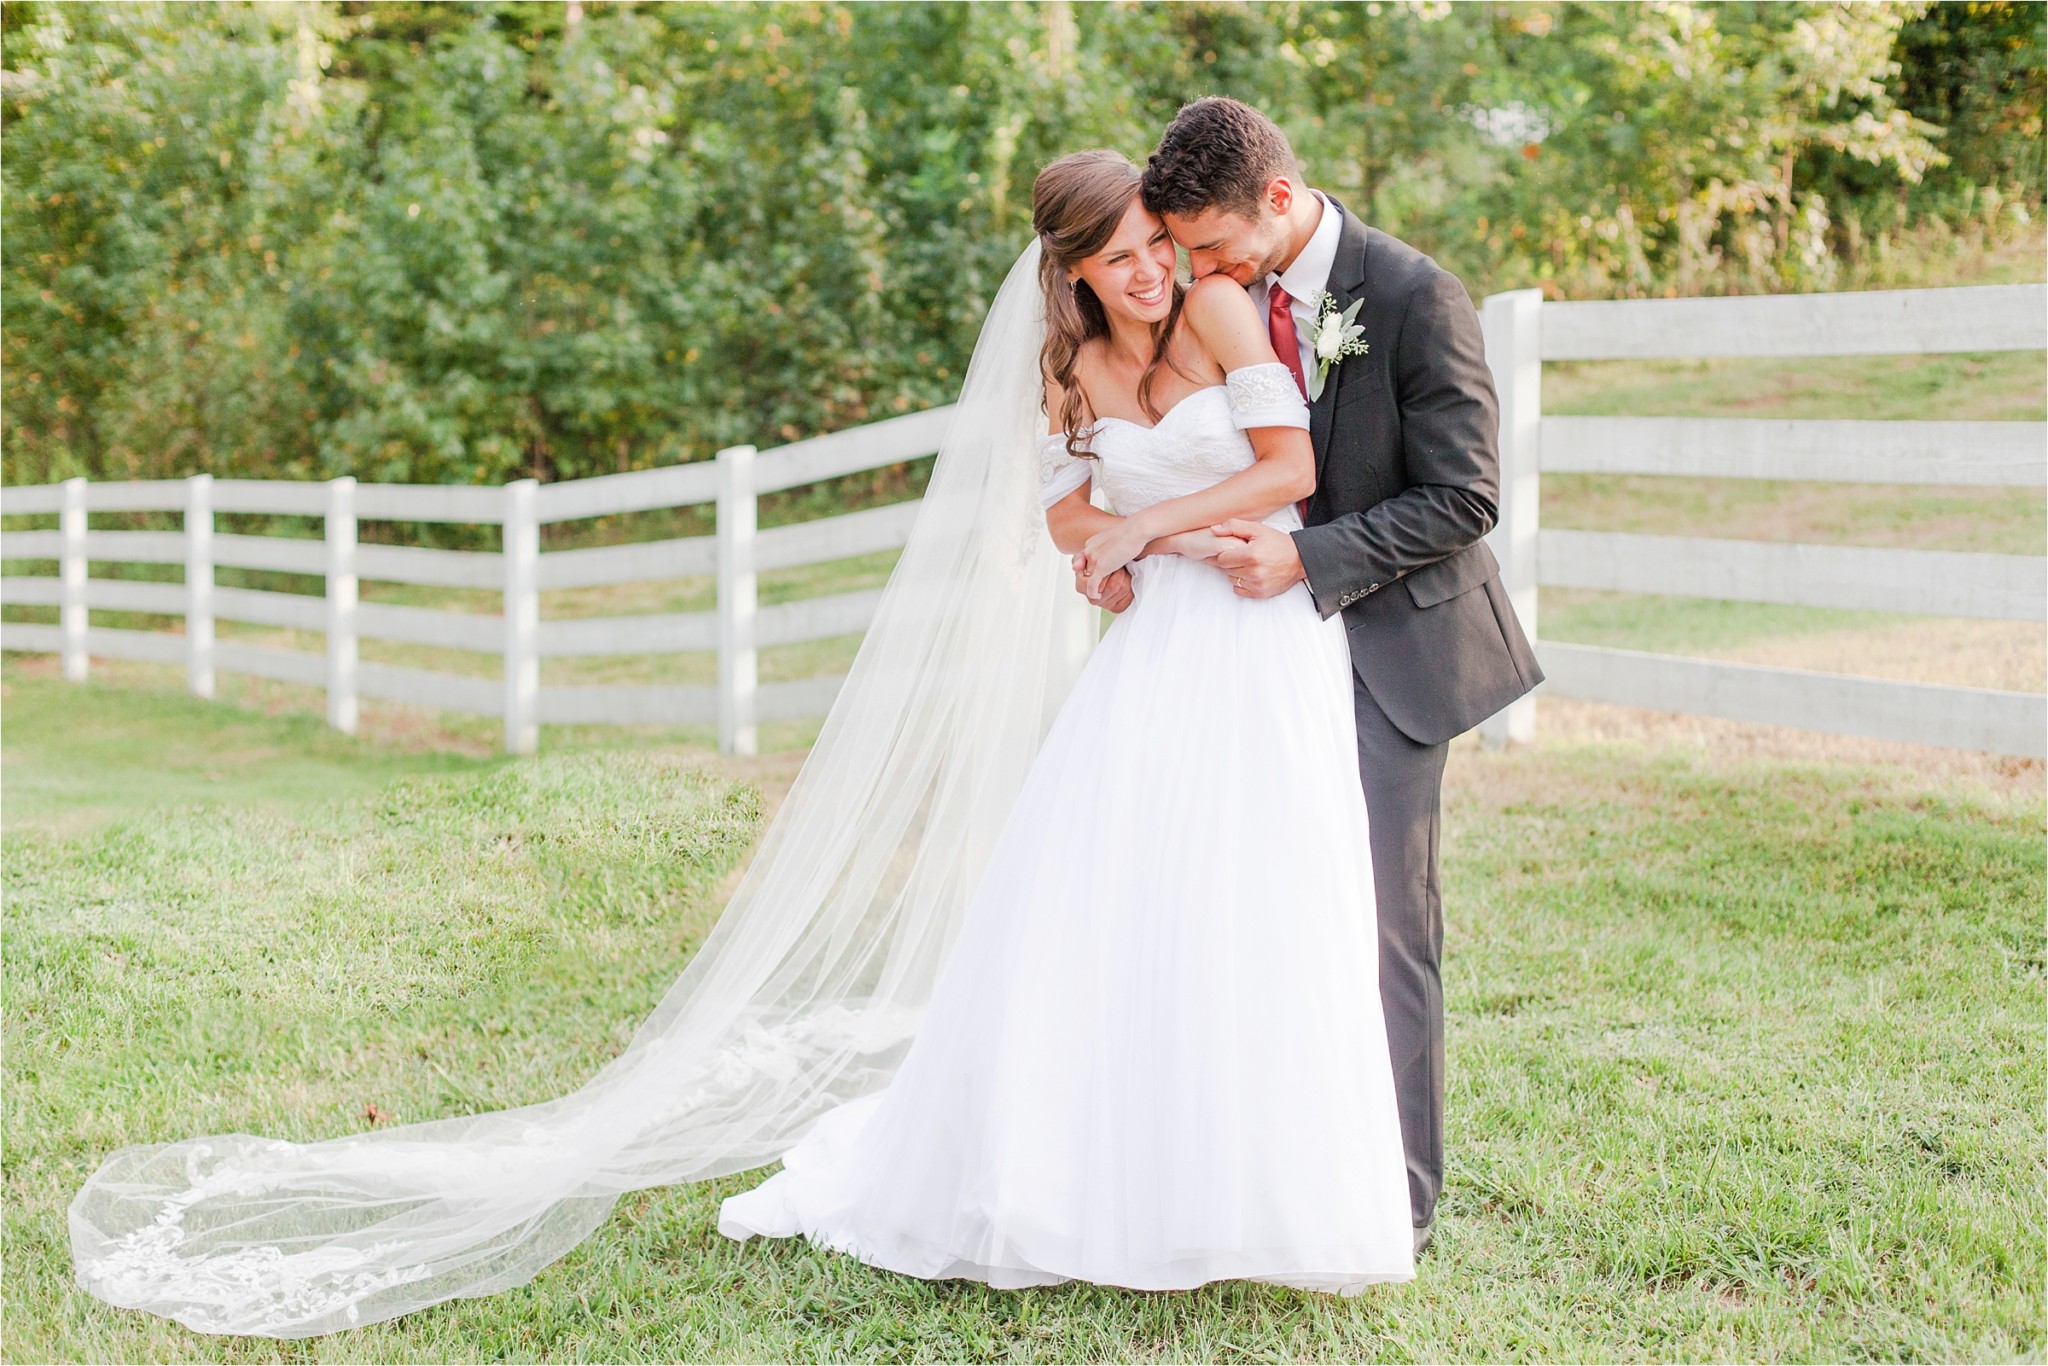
(82, 752)
(1745, 1058)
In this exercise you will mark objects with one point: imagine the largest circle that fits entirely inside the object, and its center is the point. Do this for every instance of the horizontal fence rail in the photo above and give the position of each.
(1522, 331)
(1862, 323)
(1995, 453)
(1927, 582)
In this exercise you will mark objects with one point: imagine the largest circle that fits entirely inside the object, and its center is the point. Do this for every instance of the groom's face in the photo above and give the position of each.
(1220, 241)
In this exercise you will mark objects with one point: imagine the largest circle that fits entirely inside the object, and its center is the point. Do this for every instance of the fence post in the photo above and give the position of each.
(71, 617)
(1514, 352)
(738, 663)
(199, 584)
(341, 603)
(522, 616)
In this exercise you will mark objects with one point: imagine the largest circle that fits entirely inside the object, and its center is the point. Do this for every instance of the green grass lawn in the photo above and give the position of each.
(82, 753)
(1745, 1057)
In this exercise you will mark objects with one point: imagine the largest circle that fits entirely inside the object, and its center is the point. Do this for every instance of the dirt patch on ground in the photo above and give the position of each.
(2010, 655)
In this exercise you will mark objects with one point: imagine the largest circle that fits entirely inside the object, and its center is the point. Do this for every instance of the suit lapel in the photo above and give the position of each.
(1347, 281)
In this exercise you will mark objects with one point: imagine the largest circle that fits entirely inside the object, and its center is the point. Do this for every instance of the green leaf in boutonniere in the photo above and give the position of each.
(1336, 336)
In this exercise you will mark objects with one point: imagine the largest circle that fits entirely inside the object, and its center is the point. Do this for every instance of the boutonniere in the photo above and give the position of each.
(1335, 337)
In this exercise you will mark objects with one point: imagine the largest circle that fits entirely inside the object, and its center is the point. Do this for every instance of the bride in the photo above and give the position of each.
(1035, 976)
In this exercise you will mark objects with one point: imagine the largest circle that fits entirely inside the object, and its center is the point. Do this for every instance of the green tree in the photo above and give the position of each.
(464, 242)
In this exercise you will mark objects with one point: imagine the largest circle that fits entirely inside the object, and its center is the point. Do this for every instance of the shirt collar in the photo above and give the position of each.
(1310, 273)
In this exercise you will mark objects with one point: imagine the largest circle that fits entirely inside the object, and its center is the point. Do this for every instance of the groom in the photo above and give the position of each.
(1407, 482)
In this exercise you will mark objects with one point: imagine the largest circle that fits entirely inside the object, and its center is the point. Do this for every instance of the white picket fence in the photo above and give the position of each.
(1522, 331)
(738, 628)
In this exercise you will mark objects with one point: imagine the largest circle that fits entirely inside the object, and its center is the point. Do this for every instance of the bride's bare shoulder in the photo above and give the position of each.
(1217, 305)
(1223, 323)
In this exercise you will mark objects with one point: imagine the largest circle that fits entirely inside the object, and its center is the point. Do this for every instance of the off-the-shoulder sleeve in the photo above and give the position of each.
(1265, 395)
(1059, 473)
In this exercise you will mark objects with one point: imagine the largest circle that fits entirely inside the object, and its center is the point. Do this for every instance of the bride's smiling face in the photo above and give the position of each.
(1133, 273)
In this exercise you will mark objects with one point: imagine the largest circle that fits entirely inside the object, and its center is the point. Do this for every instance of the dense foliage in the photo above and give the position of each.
(461, 242)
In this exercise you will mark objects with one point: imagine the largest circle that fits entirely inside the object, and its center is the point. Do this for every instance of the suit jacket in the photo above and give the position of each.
(1407, 482)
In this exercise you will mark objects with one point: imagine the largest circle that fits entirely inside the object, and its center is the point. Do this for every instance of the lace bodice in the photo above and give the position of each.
(1197, 442)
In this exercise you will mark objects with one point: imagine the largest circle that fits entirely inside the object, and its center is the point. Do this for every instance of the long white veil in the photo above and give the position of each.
(805, 994)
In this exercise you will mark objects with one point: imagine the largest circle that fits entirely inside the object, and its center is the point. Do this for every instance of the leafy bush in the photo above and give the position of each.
(469, 242)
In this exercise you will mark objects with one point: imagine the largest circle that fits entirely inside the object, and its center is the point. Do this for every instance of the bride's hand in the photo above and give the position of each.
(1112, 548)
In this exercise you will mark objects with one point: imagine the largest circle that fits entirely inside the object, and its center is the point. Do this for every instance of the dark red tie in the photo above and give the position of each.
(1280, 327)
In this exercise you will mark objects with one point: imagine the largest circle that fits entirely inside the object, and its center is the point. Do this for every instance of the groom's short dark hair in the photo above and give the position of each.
(1217, 153)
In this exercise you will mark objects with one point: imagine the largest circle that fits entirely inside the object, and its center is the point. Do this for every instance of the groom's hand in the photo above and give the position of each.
(1261, 560)
(1114, 592)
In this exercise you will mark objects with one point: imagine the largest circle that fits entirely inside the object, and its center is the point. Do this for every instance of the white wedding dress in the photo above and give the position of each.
(1155, 1055)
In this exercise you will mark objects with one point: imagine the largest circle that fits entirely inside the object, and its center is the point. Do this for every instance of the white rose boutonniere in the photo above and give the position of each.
(1335, 337)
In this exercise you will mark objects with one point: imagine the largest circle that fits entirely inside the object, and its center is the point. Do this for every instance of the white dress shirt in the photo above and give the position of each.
(1308, 277)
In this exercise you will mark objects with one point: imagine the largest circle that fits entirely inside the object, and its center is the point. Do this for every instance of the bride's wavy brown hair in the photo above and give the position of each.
(1076, 204)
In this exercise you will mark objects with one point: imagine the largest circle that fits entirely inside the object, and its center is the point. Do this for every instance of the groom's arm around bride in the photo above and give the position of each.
(1408, 486)
(1405, 432)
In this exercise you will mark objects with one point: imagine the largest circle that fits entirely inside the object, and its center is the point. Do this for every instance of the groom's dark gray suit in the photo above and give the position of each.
(1407, 482)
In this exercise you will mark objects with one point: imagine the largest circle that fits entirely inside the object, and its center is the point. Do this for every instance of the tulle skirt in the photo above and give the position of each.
(1155, 1055)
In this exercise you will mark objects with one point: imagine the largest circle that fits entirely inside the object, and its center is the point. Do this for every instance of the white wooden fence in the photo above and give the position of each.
(1522, 331)
(737, 629)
